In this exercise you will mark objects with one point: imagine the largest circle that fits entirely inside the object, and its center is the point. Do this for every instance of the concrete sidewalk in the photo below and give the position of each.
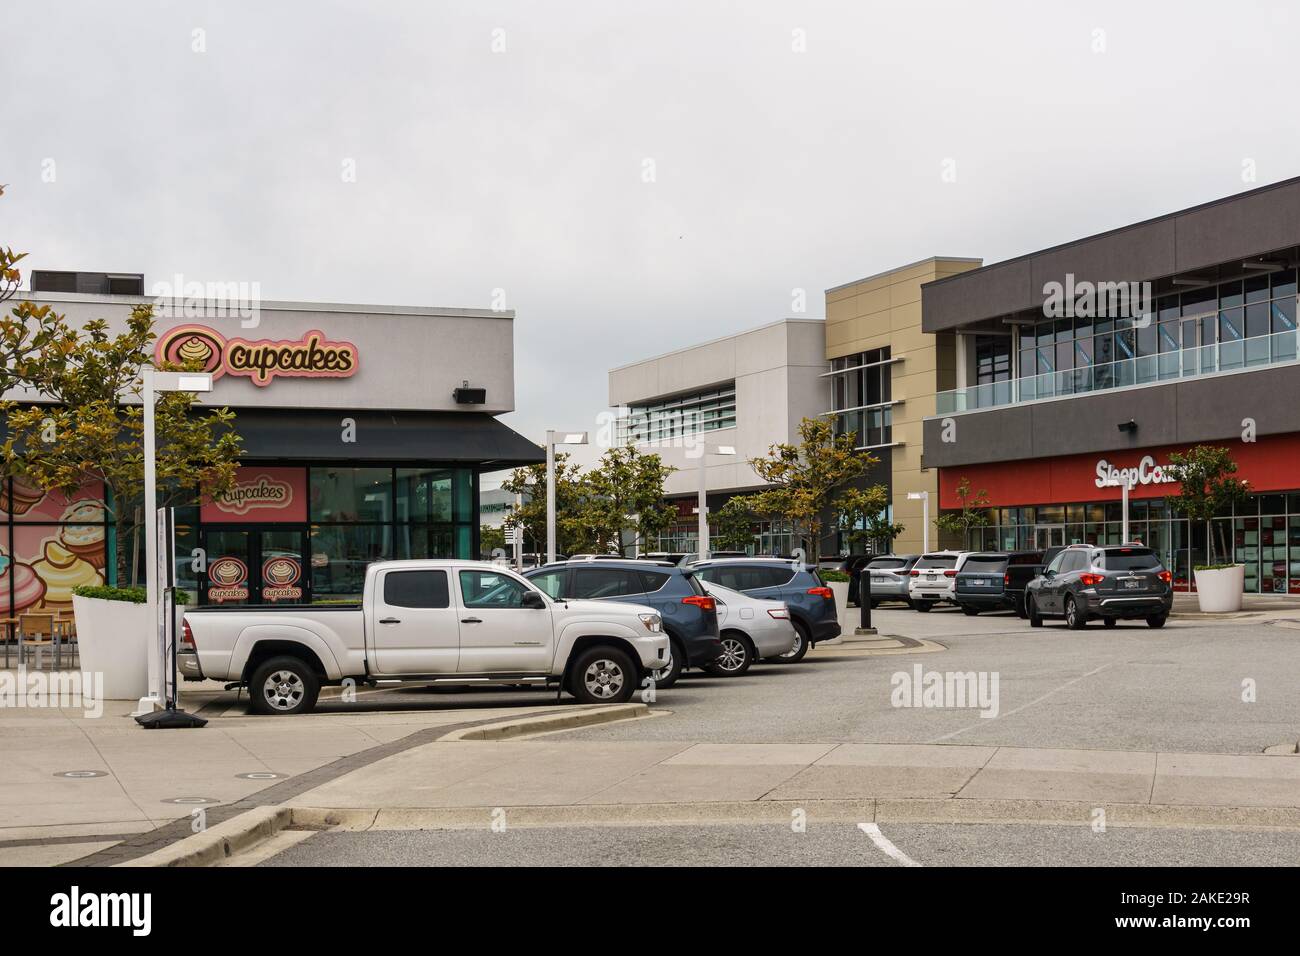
(552, 772)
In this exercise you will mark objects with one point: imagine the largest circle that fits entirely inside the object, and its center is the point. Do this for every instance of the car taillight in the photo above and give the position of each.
(826, 593)
(1091, 580)
(950, 573)
(780, 613)
(1006, 579)
(700, 601)
(915, 574)
(187, 636)
(1165, 576)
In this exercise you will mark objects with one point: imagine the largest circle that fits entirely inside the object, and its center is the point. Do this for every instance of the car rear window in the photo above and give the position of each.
(416, 589)
(984, 563)
(938, 561)
(887, 564)
(1130, 559)
(654, 580)
(696, 586)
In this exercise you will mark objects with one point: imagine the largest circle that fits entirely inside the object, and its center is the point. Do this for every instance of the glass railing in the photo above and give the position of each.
(1257, 352)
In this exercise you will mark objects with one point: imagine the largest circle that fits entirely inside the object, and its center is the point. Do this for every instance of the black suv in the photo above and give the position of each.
(799, 586)
(996, 581)
(690, 616)
(1111, 582)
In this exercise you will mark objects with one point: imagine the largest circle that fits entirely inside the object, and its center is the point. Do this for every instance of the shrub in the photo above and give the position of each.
(835, 577)
(131, 595)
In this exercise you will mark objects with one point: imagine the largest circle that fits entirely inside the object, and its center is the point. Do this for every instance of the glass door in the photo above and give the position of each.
(228, 555)
(1049, 536)
(255, 566)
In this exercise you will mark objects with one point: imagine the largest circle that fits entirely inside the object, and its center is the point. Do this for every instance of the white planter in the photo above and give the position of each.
(841, 591)
(113, 638)
(1220, 591)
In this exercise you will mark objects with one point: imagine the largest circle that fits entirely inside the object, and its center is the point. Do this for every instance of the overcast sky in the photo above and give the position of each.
(794, 145)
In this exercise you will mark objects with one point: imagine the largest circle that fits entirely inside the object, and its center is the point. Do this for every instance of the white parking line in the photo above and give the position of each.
(885, 845)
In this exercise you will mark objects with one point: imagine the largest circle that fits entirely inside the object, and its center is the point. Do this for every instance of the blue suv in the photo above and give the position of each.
(811, 602)
(690, 616)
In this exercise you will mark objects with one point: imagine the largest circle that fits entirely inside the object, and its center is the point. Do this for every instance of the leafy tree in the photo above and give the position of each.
(94, 431)
(625, 492)
(866, 507)
(1207, 487)
(490, 539)
(804, 478)
(973, 513)
(733, 525)
(571, 537)
(27, 329)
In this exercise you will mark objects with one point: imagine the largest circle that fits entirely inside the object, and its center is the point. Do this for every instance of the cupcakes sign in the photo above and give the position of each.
(280, 576)
(261, 360)
(227, 580)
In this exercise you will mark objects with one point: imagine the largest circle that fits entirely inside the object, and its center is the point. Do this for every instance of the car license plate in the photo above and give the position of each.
(876, 580)
(978, 582)
(1132, 584)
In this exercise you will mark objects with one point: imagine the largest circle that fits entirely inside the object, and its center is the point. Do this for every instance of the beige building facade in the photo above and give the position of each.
(885, 373)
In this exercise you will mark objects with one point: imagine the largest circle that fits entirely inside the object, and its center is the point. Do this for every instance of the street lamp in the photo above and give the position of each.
(703, 508)
(554, 438)
(154, 382)
(924, 498)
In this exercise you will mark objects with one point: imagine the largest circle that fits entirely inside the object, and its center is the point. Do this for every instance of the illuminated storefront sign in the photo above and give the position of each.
(311, 356)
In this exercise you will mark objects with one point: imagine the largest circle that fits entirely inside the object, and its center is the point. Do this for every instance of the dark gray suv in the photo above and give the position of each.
(1111, 582)
(690, 616)
(811, 602)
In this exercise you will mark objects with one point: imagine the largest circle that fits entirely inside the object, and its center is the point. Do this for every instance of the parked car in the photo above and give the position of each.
(750, 628)
(426, 621)
(889, 578)
(981, 584)
(1084, 581)
(1023, 568)
(689, 615)
(931, 579)
(811, 602)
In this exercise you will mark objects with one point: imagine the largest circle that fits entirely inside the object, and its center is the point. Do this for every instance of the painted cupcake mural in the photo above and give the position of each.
(20, 581)
(24, 497)
(61, 570)
(86, 541)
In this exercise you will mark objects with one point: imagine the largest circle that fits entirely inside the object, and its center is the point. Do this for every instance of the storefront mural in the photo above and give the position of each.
(49, 544)
(259, 495)
(311, 356)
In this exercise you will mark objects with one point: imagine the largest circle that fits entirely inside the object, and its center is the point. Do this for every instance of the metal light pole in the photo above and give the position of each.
(703, 506)
(518, 532)
(154, 382)
(924, 498)
(554, 438)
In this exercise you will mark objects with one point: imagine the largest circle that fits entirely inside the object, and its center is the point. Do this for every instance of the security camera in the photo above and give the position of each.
(1128, 426)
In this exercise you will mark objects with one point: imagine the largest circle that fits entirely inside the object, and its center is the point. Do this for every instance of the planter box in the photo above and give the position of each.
(1220, 591)
(114, 639)
(841, 591)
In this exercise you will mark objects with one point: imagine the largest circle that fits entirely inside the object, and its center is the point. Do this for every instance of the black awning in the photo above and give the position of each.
(469, 438)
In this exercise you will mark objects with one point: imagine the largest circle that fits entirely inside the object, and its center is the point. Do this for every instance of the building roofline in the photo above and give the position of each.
(910, 265)
(721, 338)
(271, 306)
(1222, 200)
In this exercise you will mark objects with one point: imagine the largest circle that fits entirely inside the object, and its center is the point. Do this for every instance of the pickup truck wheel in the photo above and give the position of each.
(667, 675)
(737, 655)
(603, 675)
(283, 685)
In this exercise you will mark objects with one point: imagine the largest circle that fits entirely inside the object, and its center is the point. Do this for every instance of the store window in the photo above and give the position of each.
(351, 494)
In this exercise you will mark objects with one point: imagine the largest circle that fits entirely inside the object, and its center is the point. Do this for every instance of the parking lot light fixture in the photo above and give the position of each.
(554, 438)
(924, 498)
(703, 506)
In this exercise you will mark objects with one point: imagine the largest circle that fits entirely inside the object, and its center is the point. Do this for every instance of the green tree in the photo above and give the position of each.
(804, 478)
(973, 513)
(733, 525)
(571, 537)
(625, 492)
(866, 507)
(94, 430)
(1208, 486)
(27, 329)
(490, 539)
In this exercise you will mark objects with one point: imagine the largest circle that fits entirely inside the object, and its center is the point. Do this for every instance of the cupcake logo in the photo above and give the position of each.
(227, 580)
(312, 356)
(262, 491)
(280, 576)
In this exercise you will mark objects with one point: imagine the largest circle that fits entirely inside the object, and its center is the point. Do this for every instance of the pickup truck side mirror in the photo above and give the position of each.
(533, 600)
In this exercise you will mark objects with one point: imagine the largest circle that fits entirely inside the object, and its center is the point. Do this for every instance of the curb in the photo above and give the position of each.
(221, 841)
(583, 716)
(781, 812)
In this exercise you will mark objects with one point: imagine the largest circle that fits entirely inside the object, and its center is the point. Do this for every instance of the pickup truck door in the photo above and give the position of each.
(497, 633)
(413, 623)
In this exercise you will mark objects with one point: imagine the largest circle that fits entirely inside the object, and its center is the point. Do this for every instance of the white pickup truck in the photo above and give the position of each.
(426, 621)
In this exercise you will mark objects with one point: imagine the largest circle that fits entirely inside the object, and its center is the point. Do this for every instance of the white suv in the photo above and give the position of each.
(934, 577)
